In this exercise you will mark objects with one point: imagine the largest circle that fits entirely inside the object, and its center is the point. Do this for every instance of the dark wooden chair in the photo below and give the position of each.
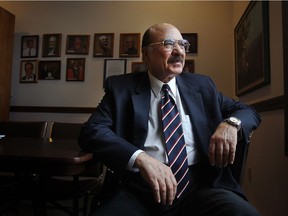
(53, 189)
(238, 168)
(12, 183)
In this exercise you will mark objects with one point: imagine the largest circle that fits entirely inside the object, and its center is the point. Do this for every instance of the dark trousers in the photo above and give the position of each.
(135, 198)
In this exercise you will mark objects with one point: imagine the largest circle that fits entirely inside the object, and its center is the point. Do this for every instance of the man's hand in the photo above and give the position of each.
(159, 177)
(222, 146)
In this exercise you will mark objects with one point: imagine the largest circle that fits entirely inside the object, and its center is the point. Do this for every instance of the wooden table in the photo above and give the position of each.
(43, 157)
(53, 157)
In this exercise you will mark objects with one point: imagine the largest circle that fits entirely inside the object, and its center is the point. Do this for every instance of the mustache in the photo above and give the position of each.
(173, 59)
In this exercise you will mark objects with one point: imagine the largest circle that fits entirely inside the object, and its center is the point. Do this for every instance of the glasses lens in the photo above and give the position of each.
(169, 43)
(184, 44)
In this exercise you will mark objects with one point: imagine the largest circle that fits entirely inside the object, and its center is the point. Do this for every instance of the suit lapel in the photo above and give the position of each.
(192, 101)
(141, 105)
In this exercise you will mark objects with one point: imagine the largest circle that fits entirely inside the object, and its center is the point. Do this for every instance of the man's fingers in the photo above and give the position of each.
(212, 153)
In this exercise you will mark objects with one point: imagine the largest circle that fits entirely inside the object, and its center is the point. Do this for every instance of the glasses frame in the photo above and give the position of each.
(186, 48)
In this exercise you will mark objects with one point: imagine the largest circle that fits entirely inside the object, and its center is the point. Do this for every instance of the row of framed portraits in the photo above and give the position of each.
(79, 45)
(33, 70)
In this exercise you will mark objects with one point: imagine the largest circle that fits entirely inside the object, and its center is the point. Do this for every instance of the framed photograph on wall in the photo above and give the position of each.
(138, 67)
(75, 69)
(103, 45)
(28, 71)
(114, 67)
(189, 66)
(251, 37)
(285, 61)
(51, 46)
(193, 40)
(78, 44)
(49, 70)
(29, 46)
(129, 45)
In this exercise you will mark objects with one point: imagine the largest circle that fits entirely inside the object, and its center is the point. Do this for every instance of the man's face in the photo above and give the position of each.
(52, 43)
(77, 43)
(28, 69)
(104, 42)
(162, 63)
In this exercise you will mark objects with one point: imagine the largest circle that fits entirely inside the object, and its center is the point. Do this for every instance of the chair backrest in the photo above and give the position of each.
(63, 130)
(23, 128)
(238, 167)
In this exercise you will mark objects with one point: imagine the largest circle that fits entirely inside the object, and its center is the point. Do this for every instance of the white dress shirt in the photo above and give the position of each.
(154, 144)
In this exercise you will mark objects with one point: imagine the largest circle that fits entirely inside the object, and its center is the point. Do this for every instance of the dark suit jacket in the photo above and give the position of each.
(119, 126)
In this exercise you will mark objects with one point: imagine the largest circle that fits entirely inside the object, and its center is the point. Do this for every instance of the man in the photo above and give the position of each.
(29, 50)
(103, 47)
(29, 75)
(126, 133)
(130, 47)
(52, 50)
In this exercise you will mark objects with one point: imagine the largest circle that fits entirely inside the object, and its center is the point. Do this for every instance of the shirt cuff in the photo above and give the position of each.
(130, 165)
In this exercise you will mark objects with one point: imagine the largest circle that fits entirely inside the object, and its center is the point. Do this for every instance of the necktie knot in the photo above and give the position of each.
(165, 88)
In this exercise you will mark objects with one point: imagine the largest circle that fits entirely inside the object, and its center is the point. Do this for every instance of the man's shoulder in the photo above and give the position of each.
(194, 77)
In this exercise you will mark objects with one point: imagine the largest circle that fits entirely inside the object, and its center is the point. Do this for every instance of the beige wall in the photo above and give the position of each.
(266, 174)
(266, 181)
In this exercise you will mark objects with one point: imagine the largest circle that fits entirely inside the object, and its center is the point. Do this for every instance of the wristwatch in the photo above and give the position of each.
(234, 122)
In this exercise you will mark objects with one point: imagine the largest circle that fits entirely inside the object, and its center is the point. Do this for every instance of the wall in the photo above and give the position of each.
(266, 177)
(214, 57)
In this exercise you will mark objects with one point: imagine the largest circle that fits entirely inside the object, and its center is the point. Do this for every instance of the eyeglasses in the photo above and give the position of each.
(169, 44)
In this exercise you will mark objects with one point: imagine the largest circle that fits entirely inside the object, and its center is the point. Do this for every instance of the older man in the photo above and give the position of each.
(169, 137)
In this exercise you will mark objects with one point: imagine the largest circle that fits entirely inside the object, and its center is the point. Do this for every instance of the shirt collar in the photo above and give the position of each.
(156, 85)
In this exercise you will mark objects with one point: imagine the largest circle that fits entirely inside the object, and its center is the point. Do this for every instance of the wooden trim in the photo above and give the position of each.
(44, 109)
(270, 104)
(266, 105)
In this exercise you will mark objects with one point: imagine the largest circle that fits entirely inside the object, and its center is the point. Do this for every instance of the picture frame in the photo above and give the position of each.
(129, 45)
(114, 67)
(77, 44)
(29, 46)
(251, 38)
(189, 66)
(103, 45)
(75, 69)
(193, 40)
(28, 71)
(285, 66)
(138, 67)
(49, 70)
(51, 45)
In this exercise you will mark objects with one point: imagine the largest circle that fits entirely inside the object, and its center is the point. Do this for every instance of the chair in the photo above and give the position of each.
(11, 183)
(57, 188)
(238, 167)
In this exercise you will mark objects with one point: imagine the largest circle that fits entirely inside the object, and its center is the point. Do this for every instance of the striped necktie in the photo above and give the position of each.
(174, 139)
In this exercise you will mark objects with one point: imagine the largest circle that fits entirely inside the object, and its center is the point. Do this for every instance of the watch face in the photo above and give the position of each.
(235, 120)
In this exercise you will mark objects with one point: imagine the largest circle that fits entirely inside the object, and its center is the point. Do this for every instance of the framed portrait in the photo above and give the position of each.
(251, 37)
(77, 44)
(138, 67)
(28, 71)
(189, 66)
(103, 45)
(75, 70)
(49, 70)
(29, 46)
(129, 45)
(51, 46)
(193, 40)
(114, 67)
(285, 61)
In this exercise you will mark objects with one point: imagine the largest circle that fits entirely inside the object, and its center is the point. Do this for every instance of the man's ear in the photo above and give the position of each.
(145, 57)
